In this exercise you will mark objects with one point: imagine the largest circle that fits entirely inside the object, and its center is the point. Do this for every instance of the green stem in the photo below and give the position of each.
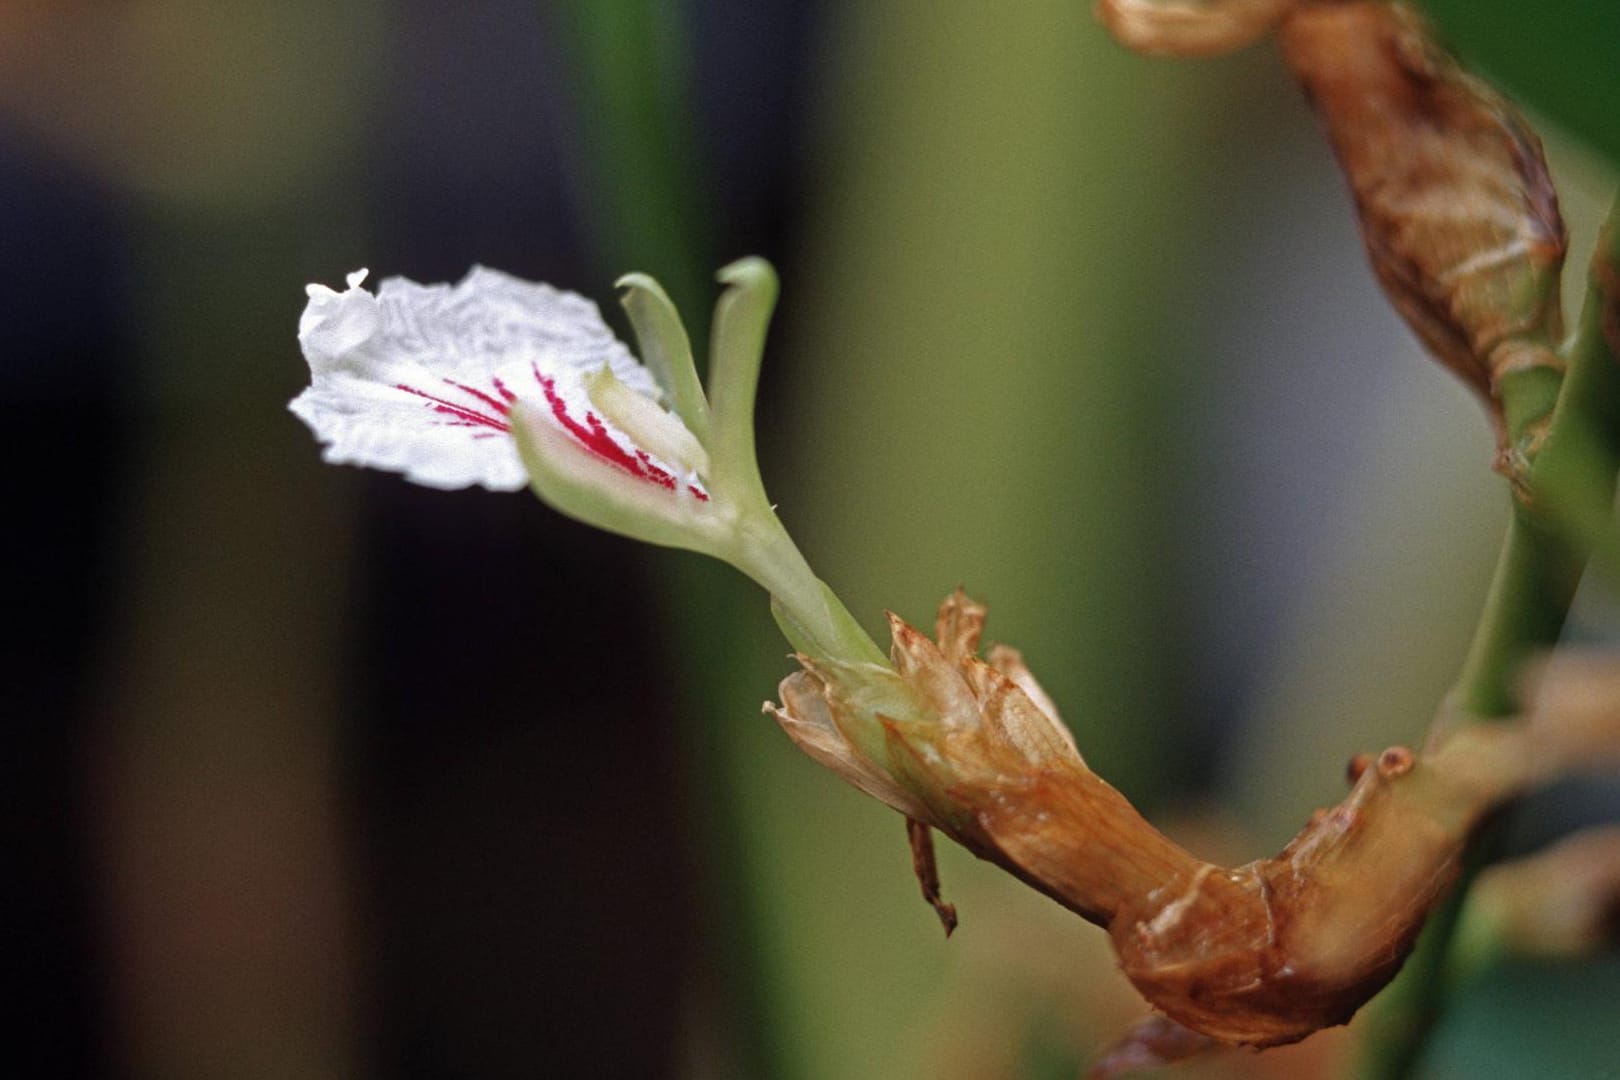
(1549, 542)
(1524, 610)
(641, 183)
(812, 618)
(644, 197)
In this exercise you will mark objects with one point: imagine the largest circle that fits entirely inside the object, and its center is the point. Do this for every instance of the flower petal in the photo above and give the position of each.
(582, 485)
(421, 379)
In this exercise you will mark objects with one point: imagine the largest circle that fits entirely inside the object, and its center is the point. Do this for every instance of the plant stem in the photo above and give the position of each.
(813, 619)
(642, 185)
(1549, 541)
(1524, 610)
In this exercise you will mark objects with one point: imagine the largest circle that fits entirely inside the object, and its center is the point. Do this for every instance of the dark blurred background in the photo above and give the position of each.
(313, 773)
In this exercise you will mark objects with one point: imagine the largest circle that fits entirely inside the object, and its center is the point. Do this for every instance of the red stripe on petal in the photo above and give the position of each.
(488, 413)
(462, 415)
(593, 436)
(499, 406)
(653, 471)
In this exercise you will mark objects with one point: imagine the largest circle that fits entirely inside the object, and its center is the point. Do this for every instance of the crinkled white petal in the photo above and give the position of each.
(419, 379)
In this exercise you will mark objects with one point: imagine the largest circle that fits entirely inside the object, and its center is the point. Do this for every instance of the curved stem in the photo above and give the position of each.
(1549, 541)
(1524, 610)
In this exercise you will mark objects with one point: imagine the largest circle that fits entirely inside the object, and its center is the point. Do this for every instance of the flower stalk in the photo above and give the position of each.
(712, 432)
(1549, 541)
(1259, 954)
(1462, 229)
(503, 383)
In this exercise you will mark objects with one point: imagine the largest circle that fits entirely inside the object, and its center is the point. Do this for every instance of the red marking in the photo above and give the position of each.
(462, 415)
(653, 471)
(499, 406)
(593, 436)
(489, 414)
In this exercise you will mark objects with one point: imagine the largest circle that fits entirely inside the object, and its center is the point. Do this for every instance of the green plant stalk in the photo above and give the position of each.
(1524, 610)
(1549, 541)
(639, 176)
(645, 211)
(814, 620)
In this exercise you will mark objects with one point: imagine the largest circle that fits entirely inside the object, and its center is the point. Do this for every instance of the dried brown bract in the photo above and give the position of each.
(1456, 206)
(1260, 954)
(1189, 27)
(1457, 209)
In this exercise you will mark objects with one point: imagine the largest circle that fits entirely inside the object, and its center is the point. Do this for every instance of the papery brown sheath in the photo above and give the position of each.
(1456, 207)
(1260, 954)
(1460, 220)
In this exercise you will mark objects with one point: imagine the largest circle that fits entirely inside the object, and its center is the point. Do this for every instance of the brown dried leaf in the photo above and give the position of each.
(926, 867)
(1257, 955)
(1010, 662)
(1457, 209)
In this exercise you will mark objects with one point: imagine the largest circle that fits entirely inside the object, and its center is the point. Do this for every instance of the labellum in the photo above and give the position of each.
(423, 380)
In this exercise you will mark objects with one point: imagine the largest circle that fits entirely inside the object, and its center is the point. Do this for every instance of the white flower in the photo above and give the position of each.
(503, 383)
(423, 380)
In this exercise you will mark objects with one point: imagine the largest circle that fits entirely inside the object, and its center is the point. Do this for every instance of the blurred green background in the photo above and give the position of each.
(317, 774)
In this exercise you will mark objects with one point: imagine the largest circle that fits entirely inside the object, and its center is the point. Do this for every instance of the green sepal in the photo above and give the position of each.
(666, 349)
(742, 318)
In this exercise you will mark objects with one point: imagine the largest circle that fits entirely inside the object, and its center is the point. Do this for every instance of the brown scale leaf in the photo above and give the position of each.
(1457, 208)
(926, 868)
(1260, 954)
